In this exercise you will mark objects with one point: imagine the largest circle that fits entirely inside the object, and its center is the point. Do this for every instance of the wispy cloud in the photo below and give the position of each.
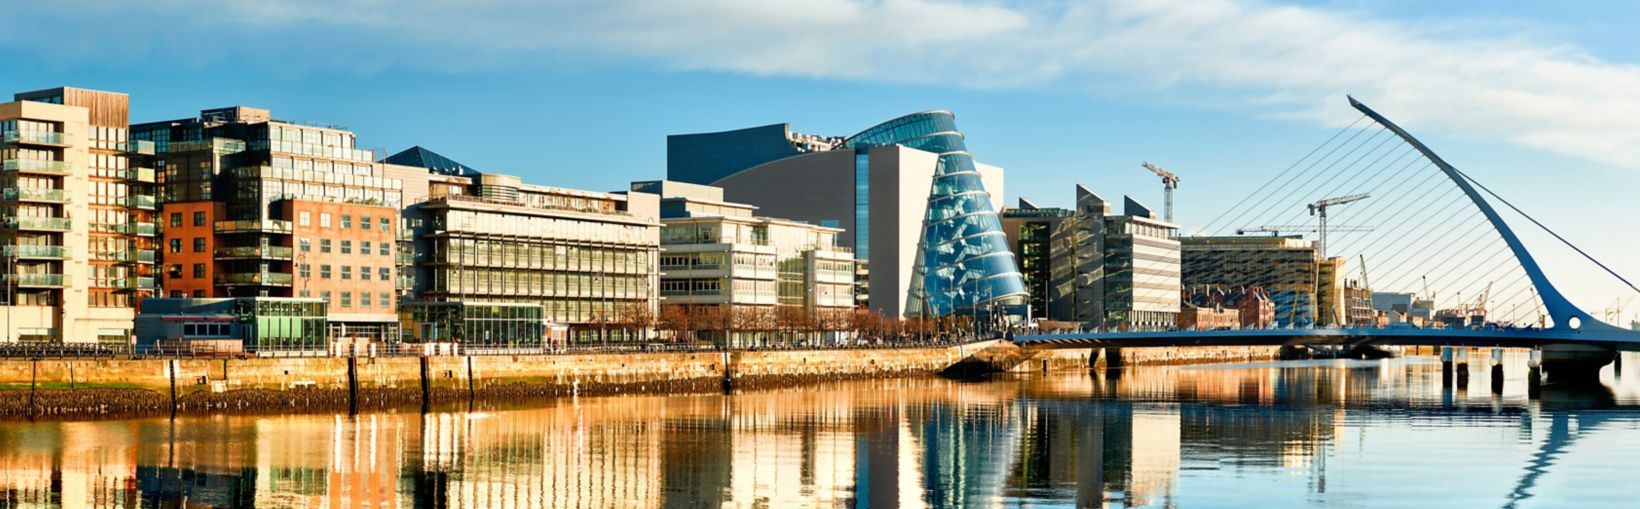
(1277, 59)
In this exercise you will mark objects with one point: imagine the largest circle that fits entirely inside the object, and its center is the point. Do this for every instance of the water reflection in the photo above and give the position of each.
(1302, 434)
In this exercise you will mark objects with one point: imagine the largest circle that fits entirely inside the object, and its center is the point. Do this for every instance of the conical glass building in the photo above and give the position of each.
(965, 262)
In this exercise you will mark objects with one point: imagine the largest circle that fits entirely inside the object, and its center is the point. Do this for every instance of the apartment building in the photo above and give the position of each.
(77, 238)
(719, 256)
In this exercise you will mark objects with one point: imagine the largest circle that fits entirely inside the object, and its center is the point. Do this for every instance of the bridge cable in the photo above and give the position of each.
(1348, 182)
(1312, 185)
(1546, 228)
(1283, 173)
(1277, 192)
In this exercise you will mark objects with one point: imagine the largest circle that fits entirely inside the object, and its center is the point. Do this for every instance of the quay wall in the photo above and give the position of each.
(157, 386)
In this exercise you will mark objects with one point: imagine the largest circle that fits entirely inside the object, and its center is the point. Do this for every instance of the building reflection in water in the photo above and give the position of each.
(1090, 441)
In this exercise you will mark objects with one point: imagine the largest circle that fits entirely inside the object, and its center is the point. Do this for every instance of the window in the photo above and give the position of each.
(347, 272)
(199, 244)
(324, 245)
(364, 222)
(176, 245)
(364, 273)
(305, 244)
(305, 270)
(325, 295)
(347, 220)
(385, 249)
(364, 299)
(176, 219)
(387, 224)
(324, 219)
(364, 246)
(384, 273)
(347, 299)
(199, 271)
(347, 247)
(199, 219)
(387, 300)
(304, 294)
(304, 218)
(324, 272)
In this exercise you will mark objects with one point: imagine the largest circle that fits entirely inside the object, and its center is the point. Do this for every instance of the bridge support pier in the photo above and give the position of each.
(1534, 374)
(1497, 371)
(1113, 358)
(1446, 366)
(1576, 364)
(1093, 358)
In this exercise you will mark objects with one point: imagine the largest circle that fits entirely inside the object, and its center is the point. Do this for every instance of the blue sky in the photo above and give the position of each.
(1536, 99)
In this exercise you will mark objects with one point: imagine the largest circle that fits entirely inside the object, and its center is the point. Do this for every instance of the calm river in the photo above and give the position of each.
(1289, 434)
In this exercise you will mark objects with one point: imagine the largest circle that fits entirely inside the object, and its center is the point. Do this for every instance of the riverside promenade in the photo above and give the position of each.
(87, 387)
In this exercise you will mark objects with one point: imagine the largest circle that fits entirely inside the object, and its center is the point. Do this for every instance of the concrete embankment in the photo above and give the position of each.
(78, 388)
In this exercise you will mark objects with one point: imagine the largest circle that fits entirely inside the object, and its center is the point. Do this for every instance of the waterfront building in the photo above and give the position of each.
(1404, 307)
(1208, 318)
(910, 199)
(719, 256)
(260, 325)
(255, 206)
(480, 325)
(78, 230)
(587, 258)
(1093, 267)
(1283, 266)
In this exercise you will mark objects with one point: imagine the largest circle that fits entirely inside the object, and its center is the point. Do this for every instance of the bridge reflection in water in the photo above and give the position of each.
(1379, 433)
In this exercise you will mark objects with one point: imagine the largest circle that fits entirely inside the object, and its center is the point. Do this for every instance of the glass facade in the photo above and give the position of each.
(966, 259)
(862, 203)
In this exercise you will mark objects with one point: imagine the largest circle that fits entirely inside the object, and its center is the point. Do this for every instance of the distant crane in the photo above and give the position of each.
(1169, 183)
(1275, 230)
(1319, 209)
(1614, 314)
(1364, 283)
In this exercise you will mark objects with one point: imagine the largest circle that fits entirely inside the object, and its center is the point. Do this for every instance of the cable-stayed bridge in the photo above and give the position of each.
(1426, 228)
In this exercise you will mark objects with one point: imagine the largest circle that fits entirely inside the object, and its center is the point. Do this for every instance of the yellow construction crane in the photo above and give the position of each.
(1169, 183)
(1319, 209)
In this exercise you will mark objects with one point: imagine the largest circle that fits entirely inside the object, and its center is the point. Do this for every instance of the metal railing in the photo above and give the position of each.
(45, 195)
(140, 201)
(144, 147)
(140, 175)
(45, 350)
(267, 225)
(276, 252)
(39, 137)
(255, 278)
(34, 251)
(37, 279)
(35, 166)
(40, 223)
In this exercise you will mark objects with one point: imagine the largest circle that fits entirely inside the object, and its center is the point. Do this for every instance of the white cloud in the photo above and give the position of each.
(1278, 60)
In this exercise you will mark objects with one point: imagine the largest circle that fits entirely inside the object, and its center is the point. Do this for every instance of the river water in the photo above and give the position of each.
(1280, 434)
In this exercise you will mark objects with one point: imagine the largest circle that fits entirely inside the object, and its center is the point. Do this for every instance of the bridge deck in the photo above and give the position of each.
(1405, 336)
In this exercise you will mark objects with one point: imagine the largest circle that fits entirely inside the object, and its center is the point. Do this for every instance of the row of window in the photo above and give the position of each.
(384, 300)
(305, 218)
(382, 248)
(305, 271)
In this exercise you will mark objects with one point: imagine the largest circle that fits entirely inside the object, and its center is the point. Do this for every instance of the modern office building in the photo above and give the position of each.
(260, 325)
(1092, 267)
(587, 258)
(911, 200)
(78, 230)
(1283, 266)
(258, 207)
(719, 256)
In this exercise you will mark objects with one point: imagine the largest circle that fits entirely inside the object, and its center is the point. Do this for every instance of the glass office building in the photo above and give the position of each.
(965, 261)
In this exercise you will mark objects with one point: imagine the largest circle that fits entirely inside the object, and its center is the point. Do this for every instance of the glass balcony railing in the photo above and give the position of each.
(143, 147)
(32, 251)
(34, 137)
(274, 252)
(406, 259)
(49, 280)
(144, 175)
(142, 229)
(134, 283)
(133, 255)
(269, 225)
(140, 201)
(35, 166)
(39, 195)
(40, 223)
(255, 278)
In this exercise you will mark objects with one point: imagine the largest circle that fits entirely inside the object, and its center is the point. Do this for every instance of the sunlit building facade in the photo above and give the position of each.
(1285, 267)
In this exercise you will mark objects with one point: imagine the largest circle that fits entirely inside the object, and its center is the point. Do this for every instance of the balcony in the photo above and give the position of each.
(37, 280)
(54, 139)
(26, 251)
(139, 229)
(254, 279)
(35, 166)
(36, 195)
(406, 234)
(406, 258)
(135, 283)
(131, 256)
(140, 201)
(253, 226)
(140, 147)
(51, 224)
(143, 175)
(258, 252)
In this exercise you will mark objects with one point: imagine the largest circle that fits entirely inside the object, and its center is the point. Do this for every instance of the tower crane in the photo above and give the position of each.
(1614, 314)
(1364, 283)
(1169, 183)
(1319, 209)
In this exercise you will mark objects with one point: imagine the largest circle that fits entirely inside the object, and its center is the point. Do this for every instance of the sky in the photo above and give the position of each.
(1536, 99)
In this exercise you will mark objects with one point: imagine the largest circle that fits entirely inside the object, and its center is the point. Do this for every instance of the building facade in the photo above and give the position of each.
(1089, 266)
(587, 258)
(918, 211)
(719, 256)
(78, 233)
(1285, 267)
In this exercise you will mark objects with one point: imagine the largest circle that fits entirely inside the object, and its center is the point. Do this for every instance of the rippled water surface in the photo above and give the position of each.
(1289, 434)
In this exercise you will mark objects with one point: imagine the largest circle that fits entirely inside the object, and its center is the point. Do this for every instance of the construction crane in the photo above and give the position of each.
(1275, 230)
(1364, 283)
(1614, 314)
(1169, 183)
(1319, 209)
